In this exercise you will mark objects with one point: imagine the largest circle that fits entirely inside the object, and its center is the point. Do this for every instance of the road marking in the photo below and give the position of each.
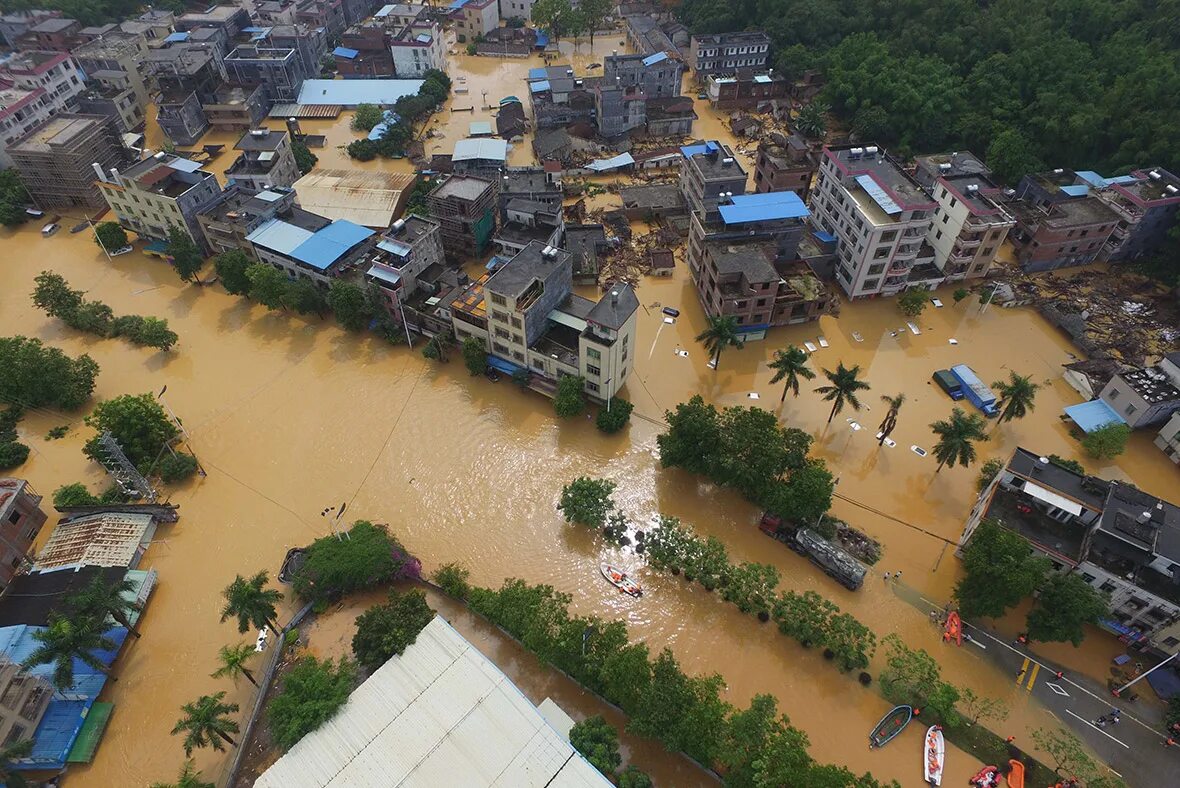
(1033, 678)
(1056, 688)
(1095, 727)
(1023, 672)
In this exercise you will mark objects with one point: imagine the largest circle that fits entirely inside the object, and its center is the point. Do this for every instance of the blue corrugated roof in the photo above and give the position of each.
(879, 195)
(1091, 177)
(763, 207)
(1121, 179)
(1076, 190)
(279, 236)
(394, 247)
(503, 365)
(542, 39)
(457, 4)
(825, 237)
(658, 57)
(173, 38)
(345, 52)
(423, 38)
(509, 100)
(537, 73)
(496, 262)
(329, 244)
(538, 87)
(1093, 414)
(56, 732)
(692, 150)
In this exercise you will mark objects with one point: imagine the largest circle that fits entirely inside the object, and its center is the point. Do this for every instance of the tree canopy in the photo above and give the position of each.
(311, 692)
(385, 631)
(1067, 603)
(137, 422)
(367, 556)
(993, 553)
(33, 375)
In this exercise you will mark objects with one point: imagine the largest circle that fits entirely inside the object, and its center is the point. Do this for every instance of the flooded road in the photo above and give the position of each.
(291, 415)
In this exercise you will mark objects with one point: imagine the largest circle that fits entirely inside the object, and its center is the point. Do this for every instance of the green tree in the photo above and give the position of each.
(754, 451)
(913, 677)
(110, 236)
(552, 15)
(956, 438)
(1069, 465)
(976, 708)
(54, 296)
(366, 116)
(751, 587)
(613, 418)
(960, 293)
(453, 579)
(231, 270)
(852, 643)
(189, 777)
(385, 631)
(148, 332)
(311, 693)
(74, 494)
(362, 150)
(251, 602)
(1016, 396)
(306, 297)
(305, 160)
(722, 332)
(683, 712)
(994, 551)
(12, 454)
(598, 742)
(890, 421)
(1066, 604)
(569, 401)
(137, 422)
(99, 599)
(367, 557)
(1108, 441)
(1011, 157)
(34, 376)
(804, 496)
(436, 348)
(988, 471)
(587, 501)
(475, 355)
(173, 468)
(790, 366)
(350, 305)
(870, 123)
(912, 302)
(1066, 750)
(231, 662)
(268, 285)
(633, 777)
(186, 256)
(784, 758)
(812, 120)
(746, 737)
(92, 317)
(206, 723)
(65, 639)
(844, 383)
(691, 440)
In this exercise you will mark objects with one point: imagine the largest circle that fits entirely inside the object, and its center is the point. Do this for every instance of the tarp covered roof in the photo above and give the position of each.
(345, 52)
(763, 207)
(330, 244)
(1093, 415)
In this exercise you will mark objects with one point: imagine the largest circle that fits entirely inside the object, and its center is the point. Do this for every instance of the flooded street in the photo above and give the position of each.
(290, 415)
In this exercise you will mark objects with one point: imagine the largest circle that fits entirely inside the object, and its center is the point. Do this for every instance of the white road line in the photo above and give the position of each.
(1095, 727)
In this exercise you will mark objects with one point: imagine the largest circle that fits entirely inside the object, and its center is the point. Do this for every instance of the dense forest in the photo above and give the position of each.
(1082, 84)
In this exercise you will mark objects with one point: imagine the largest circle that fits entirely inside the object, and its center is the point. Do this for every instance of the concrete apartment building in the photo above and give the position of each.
(785, 164)
(474, 18)
(282, 70)
(266, 160)
(970, 225)
(185, 77)
(52, 34)
(407, 257)
(34, 86)
(1058, 222)
(417, 48)
(159, 192)
(312, 247)
(532, 321)
(747, 88)
(24, 700)
(879, 215)
(709, 176)
(1168, 439)
(648, 35)
(228, 19)
(530, 208)
(465, 207)
(1145, 397)
(236, 107)
(237, 212)
(15, 24)
(364, 52)
(725, 53)
(396, 15)
(1146, 203)
(56, 161)
(115, 83)
(21, 519)
(641, 92)
(745, 263)
(1122, 541)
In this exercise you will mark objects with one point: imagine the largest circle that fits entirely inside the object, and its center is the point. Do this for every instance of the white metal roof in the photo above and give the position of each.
(468, 149)
(279, 236)
(440, 714)
(1052, 498)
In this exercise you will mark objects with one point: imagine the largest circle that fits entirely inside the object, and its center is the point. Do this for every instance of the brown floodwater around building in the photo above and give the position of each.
(292, 415)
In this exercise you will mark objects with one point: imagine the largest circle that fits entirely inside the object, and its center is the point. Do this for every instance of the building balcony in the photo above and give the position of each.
(968, 241)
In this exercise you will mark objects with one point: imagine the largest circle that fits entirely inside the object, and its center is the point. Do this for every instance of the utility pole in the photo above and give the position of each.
(180, 426)
(129, 479)
(1118, 692)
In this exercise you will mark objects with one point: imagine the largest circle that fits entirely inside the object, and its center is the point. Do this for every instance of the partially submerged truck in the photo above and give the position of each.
(837, 563)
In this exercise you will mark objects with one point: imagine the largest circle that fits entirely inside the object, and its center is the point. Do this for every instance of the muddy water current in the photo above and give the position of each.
(291, 415)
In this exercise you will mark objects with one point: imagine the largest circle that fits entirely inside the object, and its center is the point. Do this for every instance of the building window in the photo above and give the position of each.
(881, 253)
(1130, 410)
(14, 518)
(1108, 587)
(516, 354)
(1114, 394)
(592, 386)
(499, 300)
(593, 370)
(592, 353)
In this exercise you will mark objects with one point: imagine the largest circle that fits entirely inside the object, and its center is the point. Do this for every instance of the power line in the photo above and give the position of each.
(897, 520)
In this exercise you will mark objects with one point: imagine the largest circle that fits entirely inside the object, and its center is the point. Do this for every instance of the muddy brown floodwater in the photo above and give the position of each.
(291, 415)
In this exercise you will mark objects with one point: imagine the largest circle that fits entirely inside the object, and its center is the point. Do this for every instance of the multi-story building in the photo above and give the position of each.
(310, 44)
(185, 76)
(15, 24)
(282, 70)
(228, 19)
(785, 164)
(709, 176)
(1058, 222)
(364, 52)
(356, 10)
(725, 53)
(112, 68)
(397, 15)
(158, 193)
(1146, 203)
(417, 48)
(403, 255)
(648, 35)
(237, 212)
(745, 263)
(1145, 397)
(970, 225)
(120, 105)
(327, 15)
(236, 107)
(52, 34)
(23, 701)
(533, 323)
(20, 112)
(34, 86)
(518, 9)
(1122, 541)
(658, 75)
(639, 92)
(314, 248)
(746, 89)
(474, 18)
(1168, 439)
(56, 160)
(266, 160)
(465, 207)
(21, 519)
(879, 215)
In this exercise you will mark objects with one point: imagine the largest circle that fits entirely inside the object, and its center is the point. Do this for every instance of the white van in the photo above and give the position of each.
(50, 229)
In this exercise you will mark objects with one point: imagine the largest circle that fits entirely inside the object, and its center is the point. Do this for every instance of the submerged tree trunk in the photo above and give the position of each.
(227, 738)
(832, 415)
(250, 676)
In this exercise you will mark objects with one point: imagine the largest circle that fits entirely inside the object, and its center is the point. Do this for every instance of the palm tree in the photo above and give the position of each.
(843, 389)
(890, 421)
(100, 599)
(206, 723)
(190, 777)
(1016, 396)
(13, 752)
(253, 604)
(721, 333)
(67, 639)
(790, 365)
(956, 436)
(233, 662)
